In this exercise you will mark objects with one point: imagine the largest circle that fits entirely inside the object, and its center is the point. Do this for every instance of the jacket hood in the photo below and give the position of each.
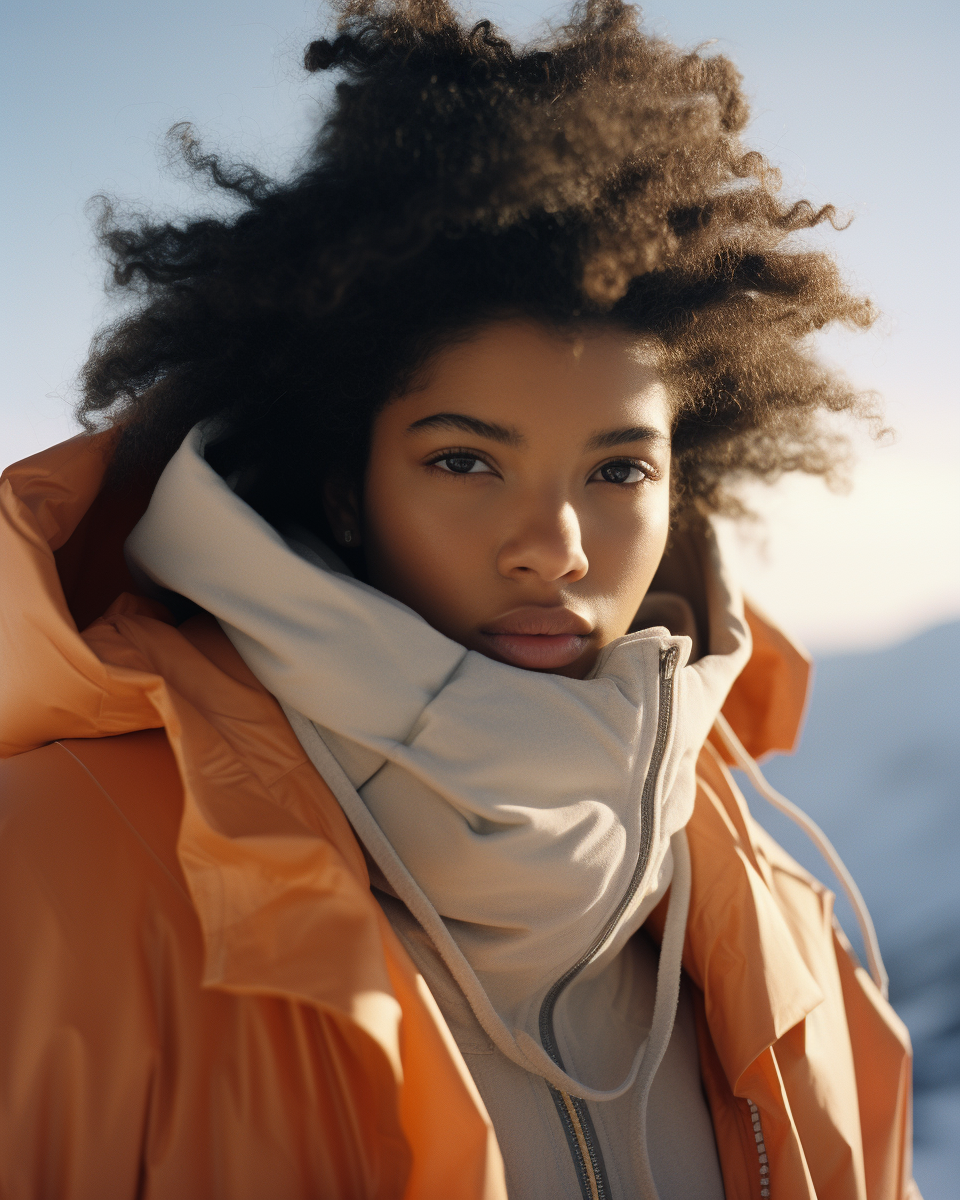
(61, 546)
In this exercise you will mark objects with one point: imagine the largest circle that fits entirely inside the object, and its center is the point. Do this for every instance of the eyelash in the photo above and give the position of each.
(458, 452)
(647, 471)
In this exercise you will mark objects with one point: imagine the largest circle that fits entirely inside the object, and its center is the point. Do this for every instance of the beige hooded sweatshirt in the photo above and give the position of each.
(521, 826)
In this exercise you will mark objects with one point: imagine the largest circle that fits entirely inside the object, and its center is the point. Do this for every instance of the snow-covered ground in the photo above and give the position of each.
(879, 769)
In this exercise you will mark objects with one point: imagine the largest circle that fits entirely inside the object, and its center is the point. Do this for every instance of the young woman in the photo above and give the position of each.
(367, 829)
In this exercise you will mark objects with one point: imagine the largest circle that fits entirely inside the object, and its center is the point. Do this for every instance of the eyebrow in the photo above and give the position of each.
(504, 434)
(609, 438)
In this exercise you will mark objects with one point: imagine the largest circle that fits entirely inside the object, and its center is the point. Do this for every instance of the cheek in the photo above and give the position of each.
(627, 550)
(653, 531)
(419, 549)
(392, 533)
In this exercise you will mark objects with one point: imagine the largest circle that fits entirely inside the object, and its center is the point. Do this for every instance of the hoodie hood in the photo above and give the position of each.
(509, 795)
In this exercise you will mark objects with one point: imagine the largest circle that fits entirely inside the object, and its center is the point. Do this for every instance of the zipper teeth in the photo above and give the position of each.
(761, 1150)
(668, 660)
(573, 1112)
(593, 1178)
(593, 1152)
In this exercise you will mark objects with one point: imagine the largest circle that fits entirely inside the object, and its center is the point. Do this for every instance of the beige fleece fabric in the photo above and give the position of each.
(511, 798)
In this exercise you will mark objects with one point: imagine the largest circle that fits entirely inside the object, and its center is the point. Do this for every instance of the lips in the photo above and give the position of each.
(537, 638)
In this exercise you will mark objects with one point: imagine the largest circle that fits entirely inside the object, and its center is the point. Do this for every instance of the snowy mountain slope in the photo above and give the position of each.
(879, 769)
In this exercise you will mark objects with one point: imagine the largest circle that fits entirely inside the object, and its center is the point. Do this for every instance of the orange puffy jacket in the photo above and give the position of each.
(201, 999)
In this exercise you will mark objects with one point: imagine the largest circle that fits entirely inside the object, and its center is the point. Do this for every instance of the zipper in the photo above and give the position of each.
(573, 1112)
(582, 1142)
(761, 1150)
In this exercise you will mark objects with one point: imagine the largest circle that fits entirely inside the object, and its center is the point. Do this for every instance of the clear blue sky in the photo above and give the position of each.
(857, 103)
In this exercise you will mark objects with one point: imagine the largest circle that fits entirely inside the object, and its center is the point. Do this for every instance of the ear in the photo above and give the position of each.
(342, 509)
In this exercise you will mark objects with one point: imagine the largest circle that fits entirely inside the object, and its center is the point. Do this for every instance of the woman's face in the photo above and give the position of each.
(519, 499)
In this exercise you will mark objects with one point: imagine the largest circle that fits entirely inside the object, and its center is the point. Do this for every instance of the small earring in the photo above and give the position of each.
(347, 537)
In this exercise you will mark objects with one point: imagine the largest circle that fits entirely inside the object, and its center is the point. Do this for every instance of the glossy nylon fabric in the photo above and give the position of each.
(201, 1000)
(511, 798)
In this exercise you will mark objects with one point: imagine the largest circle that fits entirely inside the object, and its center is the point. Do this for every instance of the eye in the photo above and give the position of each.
(461, 463)
(621, 470)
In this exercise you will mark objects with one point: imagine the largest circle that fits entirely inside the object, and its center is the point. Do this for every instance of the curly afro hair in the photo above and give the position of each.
(595, 176)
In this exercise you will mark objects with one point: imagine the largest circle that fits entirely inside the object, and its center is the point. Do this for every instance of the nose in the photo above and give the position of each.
(547, 544)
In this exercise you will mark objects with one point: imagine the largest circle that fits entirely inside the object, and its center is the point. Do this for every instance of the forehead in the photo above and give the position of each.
(542, 380)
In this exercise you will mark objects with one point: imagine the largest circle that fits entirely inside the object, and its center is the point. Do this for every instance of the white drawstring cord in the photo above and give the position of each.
(665, 1004)
(820, 840)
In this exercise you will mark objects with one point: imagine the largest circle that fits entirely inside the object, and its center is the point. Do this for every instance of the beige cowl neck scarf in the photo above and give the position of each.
(525, 819)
